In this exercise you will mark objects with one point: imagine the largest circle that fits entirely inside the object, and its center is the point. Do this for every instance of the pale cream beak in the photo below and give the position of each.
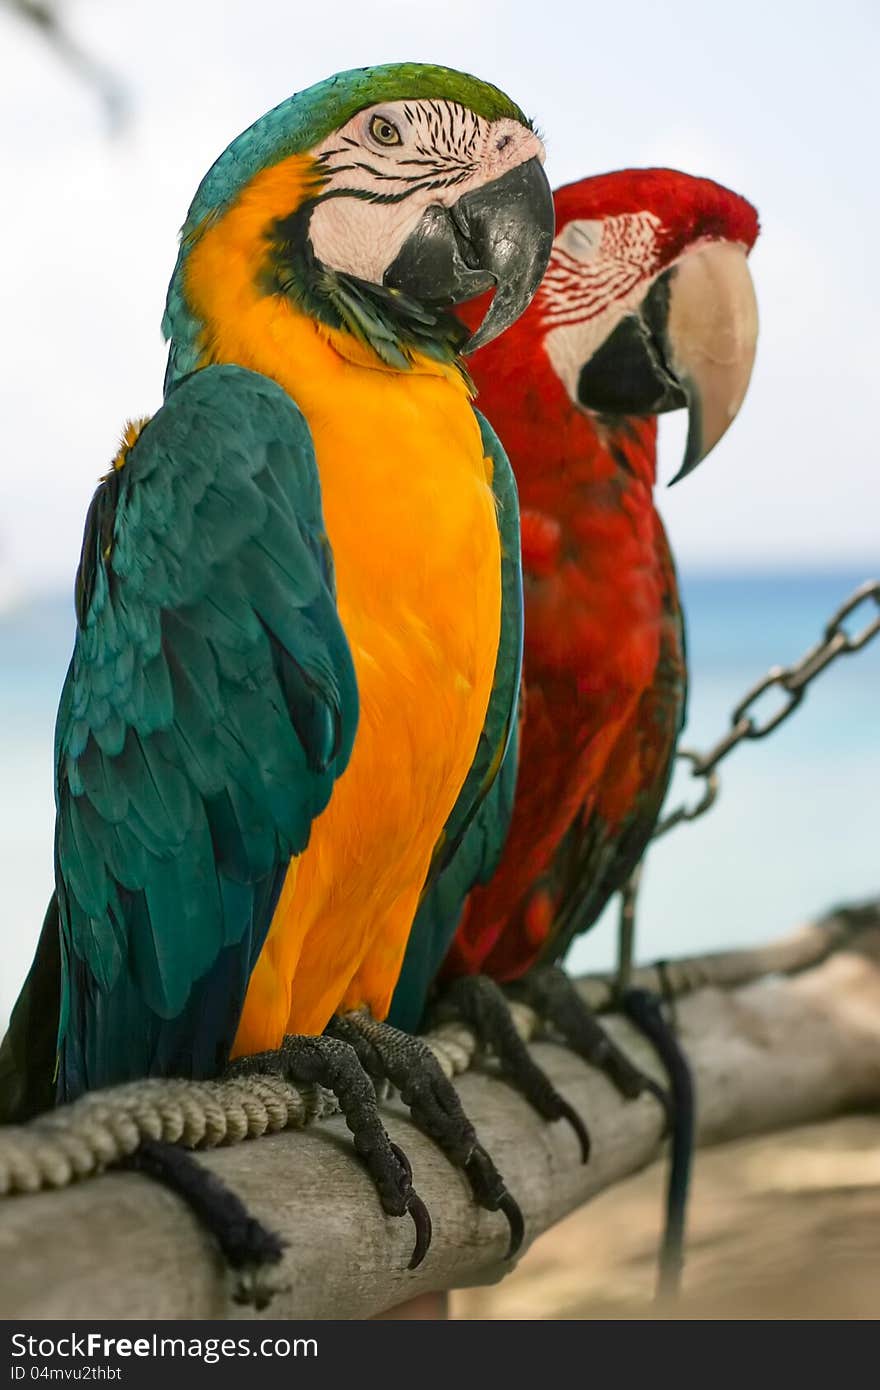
(712, 334)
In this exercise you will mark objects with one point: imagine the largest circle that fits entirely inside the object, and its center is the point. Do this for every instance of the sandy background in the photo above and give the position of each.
(786, 1226)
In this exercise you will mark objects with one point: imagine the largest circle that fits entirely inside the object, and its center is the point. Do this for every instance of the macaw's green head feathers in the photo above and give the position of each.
(305, 120)
(377, 200)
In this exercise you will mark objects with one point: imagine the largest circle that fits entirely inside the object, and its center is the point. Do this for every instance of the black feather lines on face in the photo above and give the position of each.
(445, 137)
(393, 325)
(445, 149)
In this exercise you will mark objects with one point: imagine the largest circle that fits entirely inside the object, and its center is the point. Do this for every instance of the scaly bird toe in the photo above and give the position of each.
(555, 999)
(479, 1002)
(408, 1063)
(332, 1063)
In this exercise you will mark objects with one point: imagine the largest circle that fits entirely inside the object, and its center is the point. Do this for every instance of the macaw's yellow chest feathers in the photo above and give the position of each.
(410, 513)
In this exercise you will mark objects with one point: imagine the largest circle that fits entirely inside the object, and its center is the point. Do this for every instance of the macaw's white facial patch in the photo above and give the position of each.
(391, 162)
(599, 271)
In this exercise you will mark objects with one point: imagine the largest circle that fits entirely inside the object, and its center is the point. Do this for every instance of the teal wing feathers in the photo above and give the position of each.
(475, 832)
(209, 706)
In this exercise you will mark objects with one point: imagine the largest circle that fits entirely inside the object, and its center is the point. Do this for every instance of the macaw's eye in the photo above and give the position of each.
(580, 239)
(384, 131)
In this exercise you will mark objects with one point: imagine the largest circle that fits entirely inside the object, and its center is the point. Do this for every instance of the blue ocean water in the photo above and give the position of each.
(794, 831)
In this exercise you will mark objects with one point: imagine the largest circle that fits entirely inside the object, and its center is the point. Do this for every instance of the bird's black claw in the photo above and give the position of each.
(422, 1222)
(515, 1221)
(555, 999)
(390, 1055)
(568, 1112)
(331, 1062)
(664, 1100)
(489, 1190)
(481, 1003)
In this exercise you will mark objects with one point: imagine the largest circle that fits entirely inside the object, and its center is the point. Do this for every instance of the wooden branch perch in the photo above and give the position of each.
(767, 1056)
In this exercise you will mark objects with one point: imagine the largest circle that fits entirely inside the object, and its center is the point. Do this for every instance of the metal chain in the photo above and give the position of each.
(793, 682)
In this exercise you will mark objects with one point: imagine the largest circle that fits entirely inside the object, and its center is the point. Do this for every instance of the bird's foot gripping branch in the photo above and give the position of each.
(286, 1185)
(479, 1003)
(562, 1010)
(333, 1063)
(408, 1064)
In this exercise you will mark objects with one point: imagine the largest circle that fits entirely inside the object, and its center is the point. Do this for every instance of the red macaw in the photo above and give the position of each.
(647, 305)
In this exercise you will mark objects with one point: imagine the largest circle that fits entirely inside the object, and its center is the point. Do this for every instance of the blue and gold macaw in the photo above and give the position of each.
(299, 616)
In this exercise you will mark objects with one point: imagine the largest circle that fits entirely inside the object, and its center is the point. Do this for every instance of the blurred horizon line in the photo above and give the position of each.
(16, 595)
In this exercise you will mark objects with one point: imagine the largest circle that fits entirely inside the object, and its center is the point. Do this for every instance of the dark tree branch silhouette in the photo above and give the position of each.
(46, 16)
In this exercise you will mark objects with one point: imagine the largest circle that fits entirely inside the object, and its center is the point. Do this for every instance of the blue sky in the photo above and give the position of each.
(780, 102)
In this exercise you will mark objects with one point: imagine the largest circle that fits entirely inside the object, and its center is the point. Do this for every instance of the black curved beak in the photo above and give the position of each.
(499, 235)
(691, 343)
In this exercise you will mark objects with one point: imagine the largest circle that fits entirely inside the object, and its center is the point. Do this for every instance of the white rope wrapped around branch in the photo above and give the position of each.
(105, 1127)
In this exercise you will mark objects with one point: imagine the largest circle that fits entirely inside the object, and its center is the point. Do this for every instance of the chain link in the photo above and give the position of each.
(793, 682)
